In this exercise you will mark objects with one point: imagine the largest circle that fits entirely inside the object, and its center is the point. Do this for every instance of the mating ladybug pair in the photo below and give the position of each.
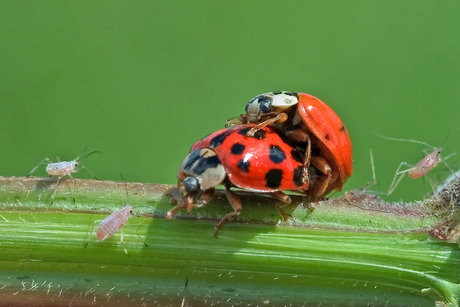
(285, 141)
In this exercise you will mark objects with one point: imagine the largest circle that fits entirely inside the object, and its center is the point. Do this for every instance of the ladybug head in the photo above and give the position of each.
(257, 107)
(199, 171)
(191, 185)
(272, 102)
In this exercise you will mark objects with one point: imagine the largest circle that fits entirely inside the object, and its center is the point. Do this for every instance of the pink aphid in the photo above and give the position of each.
(423, 167)
(111, 224)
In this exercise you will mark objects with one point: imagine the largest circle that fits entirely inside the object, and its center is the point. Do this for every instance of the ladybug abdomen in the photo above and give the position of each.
(263, 163)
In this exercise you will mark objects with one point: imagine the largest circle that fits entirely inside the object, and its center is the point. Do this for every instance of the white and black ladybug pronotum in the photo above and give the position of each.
(263, 163)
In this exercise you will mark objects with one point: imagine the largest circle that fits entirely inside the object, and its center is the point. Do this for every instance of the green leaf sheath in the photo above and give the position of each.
(356, 250)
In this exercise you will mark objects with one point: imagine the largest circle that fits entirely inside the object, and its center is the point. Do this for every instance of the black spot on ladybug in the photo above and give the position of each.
(218, 139)
(295, 155)
(237, 149)
(291, 94)
(273, 178)
(259, 135)
(327, 136)
(276, 92)
(206, 163)
(342, 129)
(243, 165)
(244, 131)
(298, 176)
(276, 154)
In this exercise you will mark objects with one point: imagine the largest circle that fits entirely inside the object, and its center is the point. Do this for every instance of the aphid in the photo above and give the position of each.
(111, 224)
(311, 125)
(423, 167)
(263, 163)
(61, 169)
(115, 221)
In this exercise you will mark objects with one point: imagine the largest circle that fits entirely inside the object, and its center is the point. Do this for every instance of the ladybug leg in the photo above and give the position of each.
(187, 202)
(300, 135)
(235, 201)
(285, 200)
(321, 164)
(280, 118)
(204, 199)
(181, 204)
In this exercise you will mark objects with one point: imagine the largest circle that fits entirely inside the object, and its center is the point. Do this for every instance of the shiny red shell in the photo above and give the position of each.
(329, 129)
(262, 163)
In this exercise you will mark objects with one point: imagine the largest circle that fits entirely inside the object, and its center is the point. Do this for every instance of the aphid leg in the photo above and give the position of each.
(285, 200)
(235, 201)
(374, 180)
(55, 189)
(399, 176)
(90, 232)
(135, 232)
(123, 243)
(280, 118)
(447, 165)
(320, 189)
(47, 160)
(300, 135)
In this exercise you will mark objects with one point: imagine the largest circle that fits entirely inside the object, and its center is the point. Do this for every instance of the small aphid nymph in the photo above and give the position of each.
(61, 169)
(111, 224)
(114, 222)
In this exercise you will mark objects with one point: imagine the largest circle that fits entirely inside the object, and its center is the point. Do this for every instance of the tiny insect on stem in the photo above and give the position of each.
(61, 169)
(421, 168)
(115, 221)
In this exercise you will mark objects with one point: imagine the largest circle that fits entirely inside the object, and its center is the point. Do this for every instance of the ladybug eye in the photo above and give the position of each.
(264, 104)
(191, 184)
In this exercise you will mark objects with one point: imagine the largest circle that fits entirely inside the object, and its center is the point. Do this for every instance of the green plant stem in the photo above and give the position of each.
(356, 250)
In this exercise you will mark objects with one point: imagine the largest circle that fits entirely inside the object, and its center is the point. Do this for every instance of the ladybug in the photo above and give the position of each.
(262, 162)
(313, 126)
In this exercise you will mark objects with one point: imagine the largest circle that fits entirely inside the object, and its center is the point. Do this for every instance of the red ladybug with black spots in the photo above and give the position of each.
(314, 127)
(263, 162)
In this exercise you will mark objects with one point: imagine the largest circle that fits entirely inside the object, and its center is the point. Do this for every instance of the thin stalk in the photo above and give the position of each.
(356, 250)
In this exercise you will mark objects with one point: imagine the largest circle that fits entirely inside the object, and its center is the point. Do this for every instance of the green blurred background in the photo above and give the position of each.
(141, 81)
